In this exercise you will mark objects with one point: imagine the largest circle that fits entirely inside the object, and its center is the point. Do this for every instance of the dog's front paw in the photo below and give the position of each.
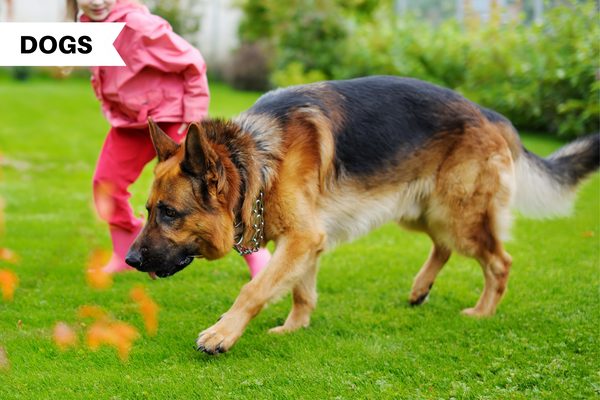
(418, 300)
(215, 340)
(475, 312)
(289, 326)
(280, 330)
(419, 296)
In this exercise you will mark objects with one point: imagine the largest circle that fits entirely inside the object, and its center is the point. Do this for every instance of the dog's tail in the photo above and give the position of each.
(547, 186)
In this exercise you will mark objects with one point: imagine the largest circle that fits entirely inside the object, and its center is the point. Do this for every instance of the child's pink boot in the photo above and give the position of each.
(121, 241)
(256, 261)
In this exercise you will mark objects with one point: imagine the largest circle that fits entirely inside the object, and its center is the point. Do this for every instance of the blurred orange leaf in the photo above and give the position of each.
(97, 335)
(94, 275)
(587, 234)
(138, 293)
(64, 336)
(124, 334)
(89, 311)
(148, 308)
(119, 335)
(9, 256)
(4, 363)
(9, 282)
(105, 203)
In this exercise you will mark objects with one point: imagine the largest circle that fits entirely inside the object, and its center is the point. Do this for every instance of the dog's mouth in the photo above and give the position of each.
(168, 272)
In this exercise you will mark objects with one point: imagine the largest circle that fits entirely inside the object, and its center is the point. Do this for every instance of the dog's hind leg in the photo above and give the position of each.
(496, 268)
(470, 212)
(424, 280)
(304, 296)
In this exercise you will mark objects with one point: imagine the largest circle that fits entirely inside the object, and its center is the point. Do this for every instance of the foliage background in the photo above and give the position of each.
(182, 15)
(541, 76)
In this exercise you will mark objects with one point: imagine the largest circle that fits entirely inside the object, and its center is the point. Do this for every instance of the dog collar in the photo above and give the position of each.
(258, 225)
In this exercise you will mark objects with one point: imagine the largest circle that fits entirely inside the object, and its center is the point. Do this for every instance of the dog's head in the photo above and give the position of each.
(189, 207)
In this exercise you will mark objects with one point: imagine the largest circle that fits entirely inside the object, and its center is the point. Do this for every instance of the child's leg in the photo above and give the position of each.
(256, 261)
(122, 159)
(121, 241)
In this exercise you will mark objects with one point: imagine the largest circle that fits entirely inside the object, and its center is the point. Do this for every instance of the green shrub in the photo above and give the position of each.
(183, 16)
(311, 33)
(541, 76)
(293, 74)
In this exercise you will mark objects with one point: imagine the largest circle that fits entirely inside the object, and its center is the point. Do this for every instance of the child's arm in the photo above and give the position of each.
(168, 52)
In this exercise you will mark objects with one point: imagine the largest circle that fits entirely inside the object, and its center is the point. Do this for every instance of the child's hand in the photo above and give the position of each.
(182, 128)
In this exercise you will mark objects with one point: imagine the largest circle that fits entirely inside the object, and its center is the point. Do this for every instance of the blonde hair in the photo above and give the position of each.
(73, 9)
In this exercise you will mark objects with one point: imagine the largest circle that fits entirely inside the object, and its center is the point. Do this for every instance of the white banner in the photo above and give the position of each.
(59, 44)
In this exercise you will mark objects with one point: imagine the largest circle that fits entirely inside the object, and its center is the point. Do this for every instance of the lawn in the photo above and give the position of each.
(364, 341)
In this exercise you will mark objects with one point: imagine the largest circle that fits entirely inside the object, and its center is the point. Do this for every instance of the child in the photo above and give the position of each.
(165, 78)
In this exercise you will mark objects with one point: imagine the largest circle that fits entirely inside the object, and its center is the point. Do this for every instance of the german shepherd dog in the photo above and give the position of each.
(315, 165)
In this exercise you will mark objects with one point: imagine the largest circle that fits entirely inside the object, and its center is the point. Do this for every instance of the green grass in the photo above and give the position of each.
(364, 340)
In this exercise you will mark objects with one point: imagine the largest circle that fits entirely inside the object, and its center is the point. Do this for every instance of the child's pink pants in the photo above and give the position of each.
(124, 155)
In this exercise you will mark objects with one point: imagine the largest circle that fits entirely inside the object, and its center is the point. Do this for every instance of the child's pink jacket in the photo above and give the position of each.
(165, 76)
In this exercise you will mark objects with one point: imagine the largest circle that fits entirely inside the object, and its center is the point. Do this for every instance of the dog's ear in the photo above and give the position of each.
(200, 158)
(165, 146)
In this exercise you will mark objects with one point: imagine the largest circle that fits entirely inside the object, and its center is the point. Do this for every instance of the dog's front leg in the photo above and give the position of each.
(304, 296)
(292, 261)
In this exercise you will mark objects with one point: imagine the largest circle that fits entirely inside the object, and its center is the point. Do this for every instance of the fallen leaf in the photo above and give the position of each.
(98, 259)
(90, 311)
(119, 335)
(97, 335)
(149, 311)
(124, 335)
(64, 336)
(99, 279)
(9, 282)
(148, 308)
(588, 234)
(138, 293)
(9, 256)
(94, 275)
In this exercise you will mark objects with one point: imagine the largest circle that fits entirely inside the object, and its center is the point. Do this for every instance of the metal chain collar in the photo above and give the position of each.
(259, 225)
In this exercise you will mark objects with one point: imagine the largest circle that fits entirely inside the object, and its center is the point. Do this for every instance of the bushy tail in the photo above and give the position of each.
(547, 186)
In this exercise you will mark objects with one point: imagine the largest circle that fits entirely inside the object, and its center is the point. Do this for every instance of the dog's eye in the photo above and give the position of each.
(169, 212)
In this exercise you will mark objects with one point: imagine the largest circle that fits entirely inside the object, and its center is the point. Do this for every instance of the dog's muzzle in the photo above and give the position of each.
(136, 260)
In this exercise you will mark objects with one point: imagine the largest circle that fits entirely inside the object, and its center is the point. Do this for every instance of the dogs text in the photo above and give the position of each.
(49, 44)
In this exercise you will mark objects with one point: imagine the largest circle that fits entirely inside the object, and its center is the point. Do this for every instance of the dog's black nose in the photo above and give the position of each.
(134, 259)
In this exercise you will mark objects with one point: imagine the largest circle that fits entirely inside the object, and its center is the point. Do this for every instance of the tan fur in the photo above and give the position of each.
(458, 189)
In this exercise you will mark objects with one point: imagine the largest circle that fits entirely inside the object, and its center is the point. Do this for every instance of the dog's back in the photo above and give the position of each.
(376, 122)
